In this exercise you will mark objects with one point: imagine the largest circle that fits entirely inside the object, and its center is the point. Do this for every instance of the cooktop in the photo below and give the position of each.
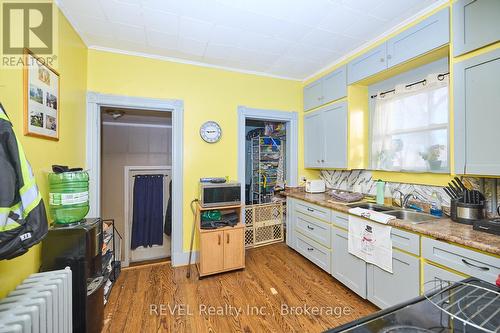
(471, 305)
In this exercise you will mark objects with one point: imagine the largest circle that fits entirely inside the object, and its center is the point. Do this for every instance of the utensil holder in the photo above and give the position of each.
(467, 213)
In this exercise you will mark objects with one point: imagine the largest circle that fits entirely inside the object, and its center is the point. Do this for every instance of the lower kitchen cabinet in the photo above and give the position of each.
(433, 275)
(385, 289)
(290, 225)
(347, 268)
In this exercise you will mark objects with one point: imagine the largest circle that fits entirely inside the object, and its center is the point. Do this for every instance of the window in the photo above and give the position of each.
(410, 127)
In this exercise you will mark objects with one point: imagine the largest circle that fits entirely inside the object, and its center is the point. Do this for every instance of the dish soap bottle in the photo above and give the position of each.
(380, 192)
(436, 205)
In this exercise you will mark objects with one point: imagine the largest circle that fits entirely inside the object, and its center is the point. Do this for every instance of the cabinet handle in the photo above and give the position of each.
(382, 59)
(227, 241)
(475, 266)
(219, 239)
(310, 210)
(389, 57)
(322, 161)
(310, 249)
(310, 228)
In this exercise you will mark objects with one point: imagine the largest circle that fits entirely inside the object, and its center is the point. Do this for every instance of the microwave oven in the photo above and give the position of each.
(225, 194)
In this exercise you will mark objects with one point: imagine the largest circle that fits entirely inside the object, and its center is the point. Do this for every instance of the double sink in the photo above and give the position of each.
(406, 215)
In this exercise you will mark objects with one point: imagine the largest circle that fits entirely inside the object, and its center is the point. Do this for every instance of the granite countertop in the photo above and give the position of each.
(443, 229)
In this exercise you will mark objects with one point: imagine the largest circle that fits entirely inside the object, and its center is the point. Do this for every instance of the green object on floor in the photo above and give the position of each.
(211, 215)
(68, 196)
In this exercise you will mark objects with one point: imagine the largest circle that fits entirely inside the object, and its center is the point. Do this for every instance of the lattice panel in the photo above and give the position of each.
(264, 224)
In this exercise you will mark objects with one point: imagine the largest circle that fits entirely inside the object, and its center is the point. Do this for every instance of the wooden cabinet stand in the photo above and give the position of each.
(221, 249)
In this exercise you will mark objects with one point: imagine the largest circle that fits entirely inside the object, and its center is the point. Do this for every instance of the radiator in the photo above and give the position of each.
(42, 303)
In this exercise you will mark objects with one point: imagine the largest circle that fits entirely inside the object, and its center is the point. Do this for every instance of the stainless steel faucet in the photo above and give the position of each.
(403, 199)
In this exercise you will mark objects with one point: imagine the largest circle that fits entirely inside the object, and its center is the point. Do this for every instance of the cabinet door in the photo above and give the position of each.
(211, 252)
(335, 85)
(313, 140)
(385, 289)
(313, 94)
(476, 23)
(335, 132)
(433, 275)
(348, 269)
(290, 225)
(423, 37)
(367, 64)
(477, 100)
(234, 248)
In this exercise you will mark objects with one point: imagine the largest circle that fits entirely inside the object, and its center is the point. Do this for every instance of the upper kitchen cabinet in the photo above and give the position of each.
(423, 37)
(325, 137)
(476, 23)
(326, 89)
(477, 115)
(367, 64)
(428, 35)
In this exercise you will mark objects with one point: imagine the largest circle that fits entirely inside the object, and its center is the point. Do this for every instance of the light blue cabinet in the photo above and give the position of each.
(313, 93)
(477, 114)
(386, 289)
(313, 139)
(367, 64)
(434, 277)
(326, 89)
(476, 23)
(423, 37)
(335, 136)
(325, 137)
(290, 223)
(347, 268)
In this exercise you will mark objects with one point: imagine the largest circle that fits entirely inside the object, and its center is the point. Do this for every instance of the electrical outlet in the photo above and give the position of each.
(303, 178)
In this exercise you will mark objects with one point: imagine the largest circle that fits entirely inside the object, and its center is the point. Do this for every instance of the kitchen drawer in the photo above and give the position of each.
(315, 252)
(313, 228)
(341, 220)
(313, 210)
(463, 260)
(402, 240)
(432, 275)
(405, 241)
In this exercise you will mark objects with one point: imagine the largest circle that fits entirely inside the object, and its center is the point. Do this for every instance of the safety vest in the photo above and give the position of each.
(23, 220)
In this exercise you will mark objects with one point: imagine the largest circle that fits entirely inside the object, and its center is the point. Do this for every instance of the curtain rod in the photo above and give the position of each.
(424, 81)
(160, 174)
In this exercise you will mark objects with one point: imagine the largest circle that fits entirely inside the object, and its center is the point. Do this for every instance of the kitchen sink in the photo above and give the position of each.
(371, 206)
(411, 216)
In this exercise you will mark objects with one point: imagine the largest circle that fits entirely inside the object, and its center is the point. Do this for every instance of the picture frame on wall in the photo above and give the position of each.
(41, 98)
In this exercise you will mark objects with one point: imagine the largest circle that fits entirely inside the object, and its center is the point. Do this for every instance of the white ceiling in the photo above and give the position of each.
(285, 38)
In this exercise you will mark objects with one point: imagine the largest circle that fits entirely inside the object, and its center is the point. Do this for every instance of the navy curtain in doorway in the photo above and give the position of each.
(147, 222)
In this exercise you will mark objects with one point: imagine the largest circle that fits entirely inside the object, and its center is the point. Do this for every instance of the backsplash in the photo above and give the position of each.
(362, 181)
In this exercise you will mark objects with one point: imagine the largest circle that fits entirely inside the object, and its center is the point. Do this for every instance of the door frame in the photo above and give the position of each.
(292, 140)
(127, 234)
(93, 156)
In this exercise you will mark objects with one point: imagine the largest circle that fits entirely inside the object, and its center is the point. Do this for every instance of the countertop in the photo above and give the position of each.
(443, 229)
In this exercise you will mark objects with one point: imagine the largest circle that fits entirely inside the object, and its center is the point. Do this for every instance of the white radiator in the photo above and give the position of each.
(42, 303)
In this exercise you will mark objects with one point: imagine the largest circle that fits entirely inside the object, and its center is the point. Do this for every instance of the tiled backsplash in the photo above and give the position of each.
(362, 181)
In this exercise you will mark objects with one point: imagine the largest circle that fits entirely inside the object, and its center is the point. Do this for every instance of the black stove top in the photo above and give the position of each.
(468, 306)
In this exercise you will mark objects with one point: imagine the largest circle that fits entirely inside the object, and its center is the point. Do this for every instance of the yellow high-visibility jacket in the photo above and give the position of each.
(23, 220)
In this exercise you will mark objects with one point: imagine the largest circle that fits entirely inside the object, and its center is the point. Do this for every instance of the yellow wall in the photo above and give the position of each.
(72, 67)
(208, 94)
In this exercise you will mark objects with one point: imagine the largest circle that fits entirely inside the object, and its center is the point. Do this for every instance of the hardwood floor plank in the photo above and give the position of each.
(159, 298)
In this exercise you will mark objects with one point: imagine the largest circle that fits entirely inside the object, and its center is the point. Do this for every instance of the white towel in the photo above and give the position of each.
(372, 215)
(371, 242)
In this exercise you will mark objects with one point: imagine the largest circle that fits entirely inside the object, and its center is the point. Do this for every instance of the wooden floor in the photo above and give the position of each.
(255, 299)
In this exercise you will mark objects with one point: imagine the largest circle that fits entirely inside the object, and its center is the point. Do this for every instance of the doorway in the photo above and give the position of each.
(289, 134)
(136, 164)
(96, 101)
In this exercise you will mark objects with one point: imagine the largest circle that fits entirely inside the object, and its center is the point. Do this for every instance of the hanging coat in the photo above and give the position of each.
(23, 220)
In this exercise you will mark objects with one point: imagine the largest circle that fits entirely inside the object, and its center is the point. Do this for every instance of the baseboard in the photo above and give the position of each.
(182, 258)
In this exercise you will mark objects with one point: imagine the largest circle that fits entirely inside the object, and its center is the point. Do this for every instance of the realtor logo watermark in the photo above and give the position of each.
(28, 25)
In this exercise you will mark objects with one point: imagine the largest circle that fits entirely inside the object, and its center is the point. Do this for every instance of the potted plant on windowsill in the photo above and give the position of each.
(431, 156)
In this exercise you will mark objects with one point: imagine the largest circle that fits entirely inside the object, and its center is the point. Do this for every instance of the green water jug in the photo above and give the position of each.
(68, 196)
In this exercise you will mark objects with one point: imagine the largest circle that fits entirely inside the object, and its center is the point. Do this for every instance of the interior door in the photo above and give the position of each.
(156, 251)
(234, 248)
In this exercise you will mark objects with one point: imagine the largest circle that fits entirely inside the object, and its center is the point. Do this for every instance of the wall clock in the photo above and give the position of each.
(210, 131)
